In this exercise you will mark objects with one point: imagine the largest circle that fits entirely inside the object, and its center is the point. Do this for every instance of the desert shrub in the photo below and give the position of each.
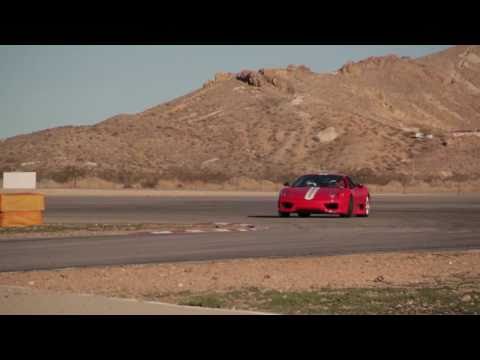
(128, 178)
(43, 174)
(6, 168)
(191, 175)
(458, 177)
(69, 173)
(428, 178)
(278, 175)
(150, 181)
(368, 176)
(108, 175)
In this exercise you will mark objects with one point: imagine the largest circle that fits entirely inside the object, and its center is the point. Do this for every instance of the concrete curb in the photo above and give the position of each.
(70, 304)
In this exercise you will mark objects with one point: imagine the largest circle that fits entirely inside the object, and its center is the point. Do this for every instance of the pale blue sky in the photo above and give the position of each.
(47, 86)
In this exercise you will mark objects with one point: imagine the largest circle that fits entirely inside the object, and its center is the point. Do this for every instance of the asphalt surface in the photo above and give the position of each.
(397, 223)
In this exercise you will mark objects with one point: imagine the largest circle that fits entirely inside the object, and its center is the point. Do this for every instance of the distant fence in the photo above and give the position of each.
(19, 180)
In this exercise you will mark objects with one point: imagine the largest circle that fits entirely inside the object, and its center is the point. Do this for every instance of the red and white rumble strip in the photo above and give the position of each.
(233, 228)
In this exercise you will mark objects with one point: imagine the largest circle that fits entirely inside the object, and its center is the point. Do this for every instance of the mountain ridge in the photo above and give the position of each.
(382, 119)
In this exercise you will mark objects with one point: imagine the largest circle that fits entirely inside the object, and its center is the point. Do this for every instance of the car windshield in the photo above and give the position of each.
(317, 181)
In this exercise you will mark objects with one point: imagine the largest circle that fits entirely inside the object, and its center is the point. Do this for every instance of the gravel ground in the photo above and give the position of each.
(289, 274)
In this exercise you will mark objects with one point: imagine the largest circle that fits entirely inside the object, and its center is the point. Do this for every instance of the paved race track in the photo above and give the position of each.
(398, 222)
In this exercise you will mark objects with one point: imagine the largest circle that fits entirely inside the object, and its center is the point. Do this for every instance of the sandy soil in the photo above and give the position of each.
(143, 192)
(212, 193)
(283, 274)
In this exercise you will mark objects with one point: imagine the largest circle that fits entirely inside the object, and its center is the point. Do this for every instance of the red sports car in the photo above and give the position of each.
(324, 194)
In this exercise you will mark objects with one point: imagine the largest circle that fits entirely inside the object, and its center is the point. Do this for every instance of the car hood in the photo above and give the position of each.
(310, 193)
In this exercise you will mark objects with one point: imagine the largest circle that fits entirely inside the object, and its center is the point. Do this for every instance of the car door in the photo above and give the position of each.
(356, 192)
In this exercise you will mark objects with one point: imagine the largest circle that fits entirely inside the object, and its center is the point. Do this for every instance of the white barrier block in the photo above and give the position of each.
(19, 180)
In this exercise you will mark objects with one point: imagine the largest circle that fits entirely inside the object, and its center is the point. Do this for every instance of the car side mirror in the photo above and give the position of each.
(360, 186)
(286, 184)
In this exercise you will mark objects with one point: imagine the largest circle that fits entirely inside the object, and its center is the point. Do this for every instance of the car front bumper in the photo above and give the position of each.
(312, 206)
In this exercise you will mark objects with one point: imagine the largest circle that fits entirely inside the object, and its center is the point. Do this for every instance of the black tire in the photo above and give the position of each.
(283, 214)
(303, 214)
(350, 209)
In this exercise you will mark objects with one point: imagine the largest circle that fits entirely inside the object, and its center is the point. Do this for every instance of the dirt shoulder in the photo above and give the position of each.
(143, 192)
(225, 283)
(222, 193)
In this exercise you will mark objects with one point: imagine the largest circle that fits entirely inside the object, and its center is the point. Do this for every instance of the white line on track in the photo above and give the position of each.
(194, 231)
(222, 230)
(162, 232)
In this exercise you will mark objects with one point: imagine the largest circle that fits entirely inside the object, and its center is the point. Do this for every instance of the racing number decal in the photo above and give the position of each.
(311, 193)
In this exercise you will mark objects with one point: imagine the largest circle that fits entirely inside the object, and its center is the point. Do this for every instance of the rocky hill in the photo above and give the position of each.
(381, 119)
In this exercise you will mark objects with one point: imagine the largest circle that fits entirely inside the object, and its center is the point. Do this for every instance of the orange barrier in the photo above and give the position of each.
(22, 202)
(21, 209)
(21, 218)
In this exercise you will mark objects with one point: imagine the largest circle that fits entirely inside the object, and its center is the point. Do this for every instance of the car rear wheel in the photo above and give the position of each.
(303, 214)
(367, 208)
(283, 214)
